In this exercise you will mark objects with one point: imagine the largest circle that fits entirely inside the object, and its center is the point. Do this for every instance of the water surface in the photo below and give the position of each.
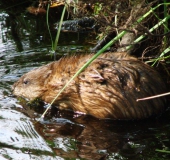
(63, 134)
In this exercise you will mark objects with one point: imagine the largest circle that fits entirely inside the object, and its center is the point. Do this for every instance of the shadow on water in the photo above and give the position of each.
(62, 134)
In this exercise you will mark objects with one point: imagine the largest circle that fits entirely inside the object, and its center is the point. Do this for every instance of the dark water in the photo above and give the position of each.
(63, 134)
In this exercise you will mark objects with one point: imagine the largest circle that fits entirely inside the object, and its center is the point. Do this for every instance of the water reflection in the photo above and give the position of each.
(19, 32)
(89, 138)
(18, 138)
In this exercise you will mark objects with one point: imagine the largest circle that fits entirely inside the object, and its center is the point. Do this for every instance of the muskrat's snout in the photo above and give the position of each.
(12, 88)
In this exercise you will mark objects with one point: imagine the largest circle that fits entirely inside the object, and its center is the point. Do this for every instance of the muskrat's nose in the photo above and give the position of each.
(13, 87)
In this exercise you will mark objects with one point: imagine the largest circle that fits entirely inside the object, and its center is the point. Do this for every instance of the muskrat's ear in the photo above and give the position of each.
(47, 74)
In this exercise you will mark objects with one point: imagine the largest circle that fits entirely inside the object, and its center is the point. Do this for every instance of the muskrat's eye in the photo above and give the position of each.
(25, 81)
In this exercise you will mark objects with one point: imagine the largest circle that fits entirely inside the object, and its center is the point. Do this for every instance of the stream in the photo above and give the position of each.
(63, 134)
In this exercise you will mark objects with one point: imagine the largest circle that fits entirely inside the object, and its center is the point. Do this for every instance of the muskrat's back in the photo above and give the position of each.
(107, 88)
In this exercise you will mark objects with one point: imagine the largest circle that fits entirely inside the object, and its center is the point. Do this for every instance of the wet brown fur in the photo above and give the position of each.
(108, 88)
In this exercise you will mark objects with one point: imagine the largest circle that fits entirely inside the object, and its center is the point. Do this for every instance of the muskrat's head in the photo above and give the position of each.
(32, 84)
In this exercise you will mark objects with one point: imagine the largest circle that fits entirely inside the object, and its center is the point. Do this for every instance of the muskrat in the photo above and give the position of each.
(107, 88)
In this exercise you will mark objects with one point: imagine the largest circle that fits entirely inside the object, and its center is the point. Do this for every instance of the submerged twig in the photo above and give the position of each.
(152, 97)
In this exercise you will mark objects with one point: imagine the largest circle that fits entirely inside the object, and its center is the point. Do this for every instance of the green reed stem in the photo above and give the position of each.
(47, 21)
(150, 30)
(59, 28)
